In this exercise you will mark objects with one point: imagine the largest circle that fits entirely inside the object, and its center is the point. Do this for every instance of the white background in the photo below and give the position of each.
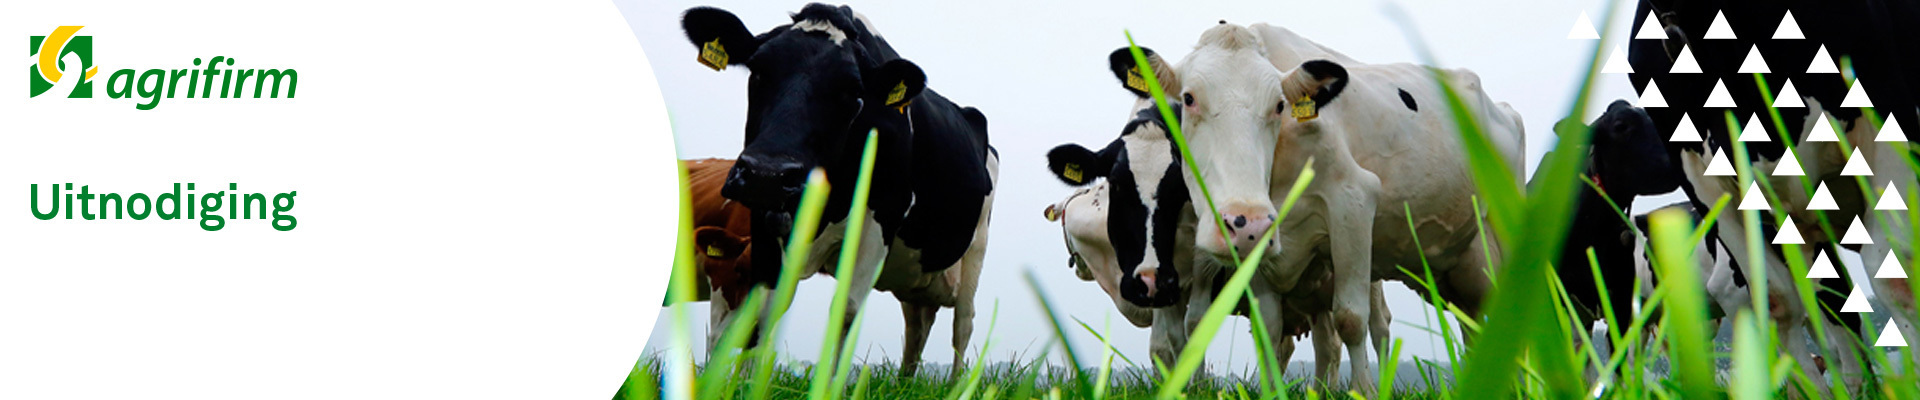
(484, 202)
(1038, 70)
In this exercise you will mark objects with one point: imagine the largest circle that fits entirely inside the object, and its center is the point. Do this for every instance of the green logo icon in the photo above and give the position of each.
(61, 57)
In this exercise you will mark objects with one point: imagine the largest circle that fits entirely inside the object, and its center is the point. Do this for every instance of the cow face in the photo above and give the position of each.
(1234, 106)
(1145, 204)
(816, 86)
(1629, 156)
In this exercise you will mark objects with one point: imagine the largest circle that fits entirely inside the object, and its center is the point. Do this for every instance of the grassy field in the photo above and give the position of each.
(1522, 345)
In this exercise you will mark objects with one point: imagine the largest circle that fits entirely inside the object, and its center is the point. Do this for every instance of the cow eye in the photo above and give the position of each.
(1188, 98)
(1280, 108)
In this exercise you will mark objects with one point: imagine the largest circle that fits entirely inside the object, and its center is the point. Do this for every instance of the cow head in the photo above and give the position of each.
(725, 257)
(816, 86)
(1629, 155)
(1146, 201)
(1235, 104)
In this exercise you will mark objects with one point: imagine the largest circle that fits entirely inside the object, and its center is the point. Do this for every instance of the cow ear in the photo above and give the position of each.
(717, 243)
(1077, 166)
(1128, 71)
(1312, 86)
(895, 83)
(722, 39)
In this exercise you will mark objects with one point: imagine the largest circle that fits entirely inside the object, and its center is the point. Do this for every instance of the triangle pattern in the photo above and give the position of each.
(1754, 131)
(1755, 63)
(1753, 198)
(1890, 132)
(1685, 132)
(1788, 97)
(1720, 97)
(1789, 234)
(1890, 269)
(1789, 29)
(1856, 165)
(1890, 337)
(1685, 63)
(1857, 96)
(1718, 166)
(1719, 29)
(1651, 29)
(1822, 199)
(1856, 302)
(1856, 233)
(1823, 63)
(1652, 97)
(1790, 166)
(1829, 134)
(1583, 28)
(1822, 268)
(1617, 64)
(1891, 199)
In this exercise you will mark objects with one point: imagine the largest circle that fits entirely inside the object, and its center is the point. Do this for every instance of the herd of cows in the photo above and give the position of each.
(1256, 104)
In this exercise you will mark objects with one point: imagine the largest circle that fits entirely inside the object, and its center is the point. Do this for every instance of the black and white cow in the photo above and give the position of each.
(1627, 159)
(817, 86)
(1882, 49)
(1383, 145)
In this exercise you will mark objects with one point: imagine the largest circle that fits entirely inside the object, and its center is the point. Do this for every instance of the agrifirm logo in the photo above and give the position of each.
(59, 59)
(63, 63)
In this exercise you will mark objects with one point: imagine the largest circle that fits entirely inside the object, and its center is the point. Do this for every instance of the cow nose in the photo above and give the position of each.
(1147, 276)
(1244, 229)
(762, 179)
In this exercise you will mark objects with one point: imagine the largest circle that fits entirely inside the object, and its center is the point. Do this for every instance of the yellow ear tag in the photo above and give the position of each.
(1305, 110)
(714, 251)
(713, 55)
(898, 98)
(1135, 81)
(1072, 173)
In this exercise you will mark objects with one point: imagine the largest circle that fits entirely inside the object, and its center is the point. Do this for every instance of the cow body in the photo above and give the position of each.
(818, 87)
(1883, 51)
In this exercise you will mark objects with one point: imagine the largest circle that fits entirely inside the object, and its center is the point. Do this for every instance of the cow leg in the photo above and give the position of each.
(1382, 322)
(918, 327)
(1274, 318)
(718, 310)
(1468, 284)
(1351, 230)
(1326, 350)
(969, 285)
(866, 267)
(1793, 337)
(1169, 335)
(1198, 300)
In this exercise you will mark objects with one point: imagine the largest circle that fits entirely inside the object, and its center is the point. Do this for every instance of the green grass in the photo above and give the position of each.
(1523, 346)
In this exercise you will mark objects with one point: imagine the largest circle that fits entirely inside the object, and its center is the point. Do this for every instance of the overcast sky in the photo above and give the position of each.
(1038, 70)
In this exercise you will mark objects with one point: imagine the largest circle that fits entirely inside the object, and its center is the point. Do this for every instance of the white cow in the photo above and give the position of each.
(1382, 142)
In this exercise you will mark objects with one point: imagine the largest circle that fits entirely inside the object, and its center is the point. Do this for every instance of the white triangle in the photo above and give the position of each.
(1817, 134)
(1890, 337)
(1890, 132)
(1651, 29)
(1822, 268)
(1788, 234)
(1789, 166)
(1788, 97)
(1891, 199)
(1755, 63)
(1719, 29)
(1822, 199)
(1788, 29)
(1856, 165)
(1857, 96)
(1753, 198)
(1651, 97)
(1617, 64)
(1823, 63)
(1685, 63)
(1856, 234)
(1719, 97)
(1685, 132)
(1754, 130)
(1890, 269)
(1583, 28)
(1856, 302)
(1718, 166)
